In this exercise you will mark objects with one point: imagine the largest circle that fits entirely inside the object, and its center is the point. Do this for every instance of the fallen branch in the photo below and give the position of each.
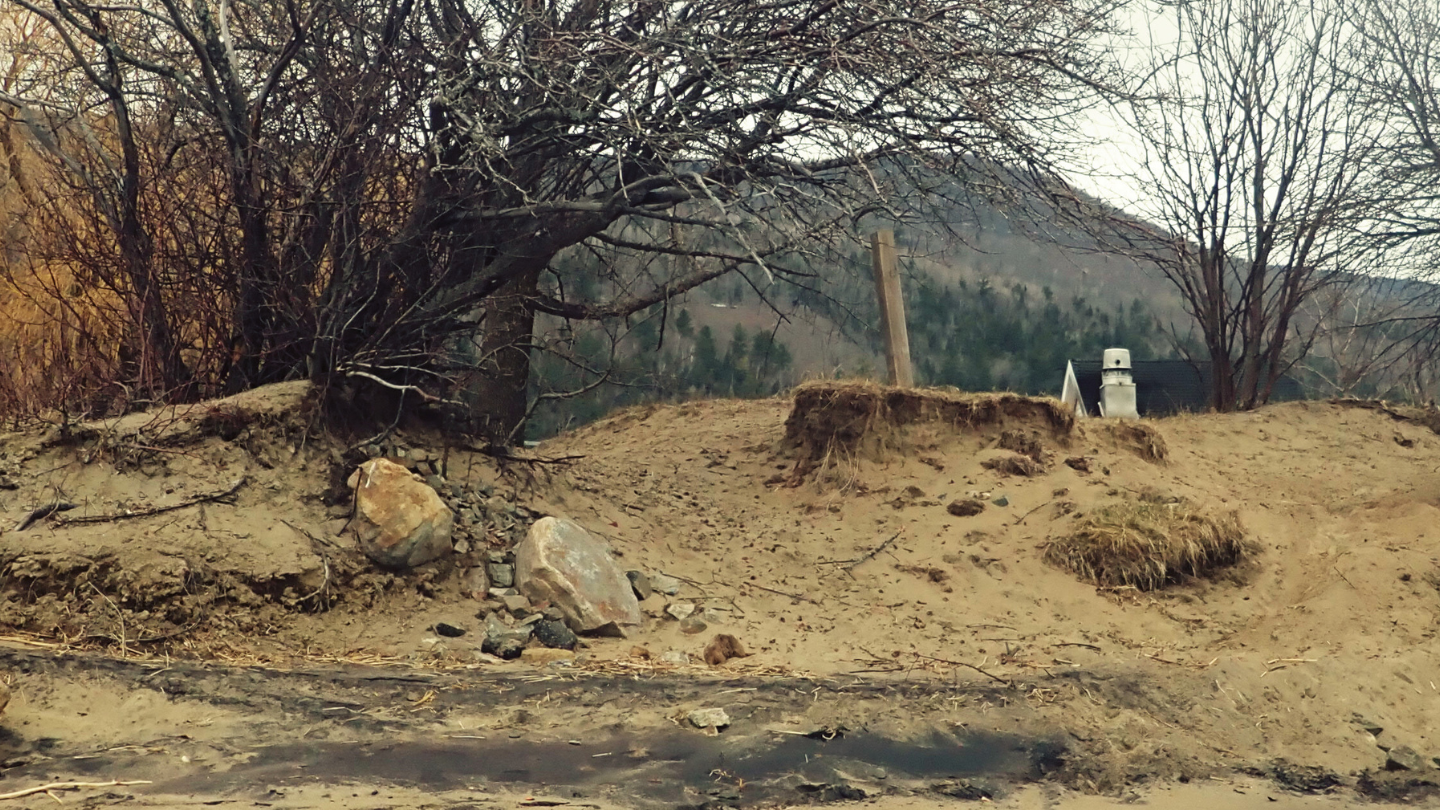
(503, 454)
(224, 496)
(20, 794)
(42, 512)
(783, 593)
(874, 552)
(1078, 644)
(992, 676)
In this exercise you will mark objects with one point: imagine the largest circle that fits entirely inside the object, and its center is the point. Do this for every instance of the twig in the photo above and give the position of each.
(992, 676)
(198, 499)
(19, 794)
(783, 593)
(1078, 644)
(1033, 511)
(40, 513)
(874, 552)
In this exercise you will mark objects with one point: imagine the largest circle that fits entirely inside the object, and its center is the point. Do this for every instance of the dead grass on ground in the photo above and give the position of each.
(1148, 545)
(835, 425)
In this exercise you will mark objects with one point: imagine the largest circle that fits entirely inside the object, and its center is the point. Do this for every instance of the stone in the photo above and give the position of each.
(501, 593)
(1368, 725)
(501, 574)
(448, 630)
(1079, 464)
(436, 483)
(641, 584)
(400, 522)
(516, 603)
(722, 648)
(676, 657)
(1001, 501)
(545, 656)
(561, 563)
(966, 507)
(1404, 758)
(556, 634)
(665, 584)
(708, 718)
(680, 610)
(693, 625)
(654, 606)
(503, 640)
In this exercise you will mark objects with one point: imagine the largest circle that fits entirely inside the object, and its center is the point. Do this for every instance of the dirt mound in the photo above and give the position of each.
(1148, 544)
(833, 424)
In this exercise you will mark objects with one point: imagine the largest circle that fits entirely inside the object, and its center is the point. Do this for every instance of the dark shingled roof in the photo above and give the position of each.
(1165, 387)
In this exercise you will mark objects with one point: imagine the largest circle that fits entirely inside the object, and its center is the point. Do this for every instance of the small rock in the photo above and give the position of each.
(709, 718)
(665, 584)
(1404, 758)
(475, 583)
(502, 640)
(1001, 501)
(1368, 725)
(501, 574)
(501, 593)
(436, 483)
(543, 656)
(462, 546)
(677, 657)
(680, 610)
(555, 634)
(448, 630)
(692, 625)
(516, 603)
(533, 618)
(495, 556)
(641, 584)
(654, 606)
(966, 507)
(1079, 464)
(722, 648)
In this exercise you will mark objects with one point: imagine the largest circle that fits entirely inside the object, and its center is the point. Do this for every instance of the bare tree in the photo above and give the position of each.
(1256, 163)
(402, 174)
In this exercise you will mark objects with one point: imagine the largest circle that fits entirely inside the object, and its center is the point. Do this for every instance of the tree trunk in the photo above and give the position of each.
(500, 395)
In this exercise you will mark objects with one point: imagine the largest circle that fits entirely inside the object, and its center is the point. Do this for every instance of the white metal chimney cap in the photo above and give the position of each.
(1116, 358)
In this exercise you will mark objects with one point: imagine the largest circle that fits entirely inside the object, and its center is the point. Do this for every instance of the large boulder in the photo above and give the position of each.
(399, 520)
(561, 563)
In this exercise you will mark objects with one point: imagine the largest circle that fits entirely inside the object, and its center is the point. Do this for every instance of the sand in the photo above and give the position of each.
(841, 571)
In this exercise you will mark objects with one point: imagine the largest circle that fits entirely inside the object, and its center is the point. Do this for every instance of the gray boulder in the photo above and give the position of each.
(561, 563)
(400, 522)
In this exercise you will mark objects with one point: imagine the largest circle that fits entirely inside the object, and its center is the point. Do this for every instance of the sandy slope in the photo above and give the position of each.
(1332, 623)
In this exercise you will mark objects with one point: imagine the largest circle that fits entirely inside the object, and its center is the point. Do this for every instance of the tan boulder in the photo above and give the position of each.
(561, 563)
(400, 521)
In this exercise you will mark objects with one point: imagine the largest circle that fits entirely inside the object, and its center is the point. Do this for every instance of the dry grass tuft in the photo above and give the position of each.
(1014, 465)
(1149, 545)
(835, 424)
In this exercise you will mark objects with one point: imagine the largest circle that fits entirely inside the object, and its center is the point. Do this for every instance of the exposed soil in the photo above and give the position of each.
(235, 647)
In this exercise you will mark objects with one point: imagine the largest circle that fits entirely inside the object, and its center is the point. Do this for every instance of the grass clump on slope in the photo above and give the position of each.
(1148, 545)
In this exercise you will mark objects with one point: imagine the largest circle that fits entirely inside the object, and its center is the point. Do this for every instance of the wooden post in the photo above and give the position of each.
(892, 309)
